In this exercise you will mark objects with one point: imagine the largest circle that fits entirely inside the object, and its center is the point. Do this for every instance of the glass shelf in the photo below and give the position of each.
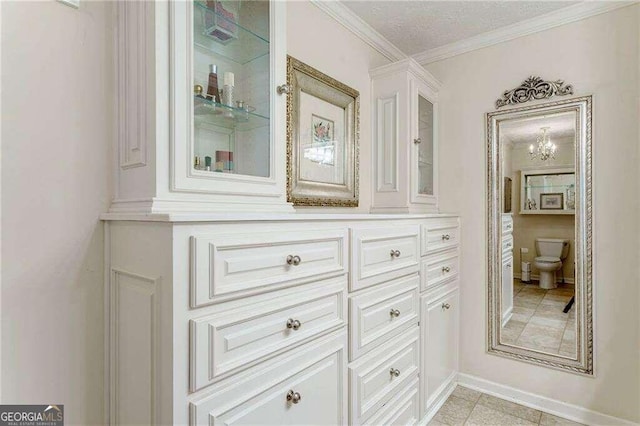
(227, 117)
(550, 186)
(223, 36)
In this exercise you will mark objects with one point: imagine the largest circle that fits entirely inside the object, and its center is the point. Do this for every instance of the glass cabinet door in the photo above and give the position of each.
(425, 147)
(231, 81)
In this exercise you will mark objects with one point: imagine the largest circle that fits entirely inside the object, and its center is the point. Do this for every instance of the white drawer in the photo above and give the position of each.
(371, 321)
(223, 343)
(371, 382)
(507, 224)
(439, 269)
(507, 244)
(381, 254)
(226, 267)
(402, 409)
(316, 372)
(439, 234)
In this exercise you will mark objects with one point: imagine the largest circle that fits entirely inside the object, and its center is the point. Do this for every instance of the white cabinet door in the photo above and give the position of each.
(507, 288)
(439, 328)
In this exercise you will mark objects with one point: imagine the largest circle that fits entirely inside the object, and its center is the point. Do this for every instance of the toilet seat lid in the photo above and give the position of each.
(548, 259)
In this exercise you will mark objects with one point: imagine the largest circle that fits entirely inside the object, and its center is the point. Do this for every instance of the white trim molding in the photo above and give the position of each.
(365, 32)
(542, 403)
(547, 21)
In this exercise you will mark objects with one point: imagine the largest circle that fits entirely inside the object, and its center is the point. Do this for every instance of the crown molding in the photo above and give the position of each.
(547, 21)
(348, 19)
(407, 65)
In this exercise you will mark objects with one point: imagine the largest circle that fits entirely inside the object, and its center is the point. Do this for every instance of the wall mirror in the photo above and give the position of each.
(540, 271)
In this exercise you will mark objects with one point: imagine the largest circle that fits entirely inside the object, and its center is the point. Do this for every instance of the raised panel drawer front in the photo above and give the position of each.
(402, 409)
(380, 314)
(306, 387)
(223, 343)
(232, 266)
(377, 377)
(439, 234)
(439, 269)
(507, 244)
(507, 224)
(381, 254)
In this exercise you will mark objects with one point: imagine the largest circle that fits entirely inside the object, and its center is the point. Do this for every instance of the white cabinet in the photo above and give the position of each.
(267, 341)
(439, 325)
(201, 122)
(406, 138)
(507, 289)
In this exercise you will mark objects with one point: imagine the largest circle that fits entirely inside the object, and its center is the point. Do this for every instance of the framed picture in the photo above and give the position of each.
(507, 195)
(552, 201)
(322, 138)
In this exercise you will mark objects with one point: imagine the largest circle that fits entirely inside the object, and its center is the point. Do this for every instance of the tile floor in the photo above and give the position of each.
(469, 407)
(538, 321)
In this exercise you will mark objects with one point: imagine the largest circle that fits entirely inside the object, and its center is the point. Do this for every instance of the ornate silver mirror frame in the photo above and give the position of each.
(583, 361)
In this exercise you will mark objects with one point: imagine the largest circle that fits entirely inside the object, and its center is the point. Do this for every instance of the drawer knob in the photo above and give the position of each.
(446, 237)
(293, 323)
(395, 253)
(417, 141)
(394, 372)
(446, 269)
(445, 306)
(293, 260)
(294, 397)
(394, 313)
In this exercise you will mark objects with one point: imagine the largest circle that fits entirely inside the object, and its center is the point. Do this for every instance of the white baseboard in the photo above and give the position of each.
(536, 277)
(548, 405)
(445, 391)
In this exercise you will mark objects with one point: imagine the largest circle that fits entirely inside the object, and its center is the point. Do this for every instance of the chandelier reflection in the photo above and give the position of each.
(545, 149)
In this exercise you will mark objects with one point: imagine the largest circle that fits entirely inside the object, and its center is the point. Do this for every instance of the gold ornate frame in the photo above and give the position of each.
(302, 77)
(583, 362)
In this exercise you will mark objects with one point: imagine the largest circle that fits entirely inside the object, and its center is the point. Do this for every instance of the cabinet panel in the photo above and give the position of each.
(379, 314)
(438, 269)
(232, 266)
(381, 254)
(222, 343)
(507, 288)
(403, 409)
(439, 234)
(439, 327)
(314, 377)
(372, 383)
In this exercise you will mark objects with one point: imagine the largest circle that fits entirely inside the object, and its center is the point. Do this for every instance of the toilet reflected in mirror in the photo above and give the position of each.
(538, 295)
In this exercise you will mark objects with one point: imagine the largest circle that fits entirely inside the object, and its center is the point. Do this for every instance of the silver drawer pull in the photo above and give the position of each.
(445, 306)
(394, 313)
(395, 253)
(446, 237)
(417, 141)
(293, 323)
(394, 372)
(293, 260)
(283, 89)
(446, 269)
(294, 397)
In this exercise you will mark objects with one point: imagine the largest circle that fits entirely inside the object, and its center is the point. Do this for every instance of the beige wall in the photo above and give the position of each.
(57, 121)
(319, 41)
(598, 56)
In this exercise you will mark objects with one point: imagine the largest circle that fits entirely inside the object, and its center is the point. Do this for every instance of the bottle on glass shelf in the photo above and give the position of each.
(213, 93)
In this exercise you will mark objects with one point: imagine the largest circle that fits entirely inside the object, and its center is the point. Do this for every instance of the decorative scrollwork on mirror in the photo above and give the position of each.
(534, 88)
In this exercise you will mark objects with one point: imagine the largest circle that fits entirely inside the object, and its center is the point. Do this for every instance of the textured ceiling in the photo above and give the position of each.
(527, 131)
(416, 26)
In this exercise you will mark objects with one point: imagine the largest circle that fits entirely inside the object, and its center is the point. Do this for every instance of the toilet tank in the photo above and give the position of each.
(552, 247)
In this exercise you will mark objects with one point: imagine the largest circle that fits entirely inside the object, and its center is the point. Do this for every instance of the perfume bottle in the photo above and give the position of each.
(207, 163)
(227, 93)
(213, 93)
